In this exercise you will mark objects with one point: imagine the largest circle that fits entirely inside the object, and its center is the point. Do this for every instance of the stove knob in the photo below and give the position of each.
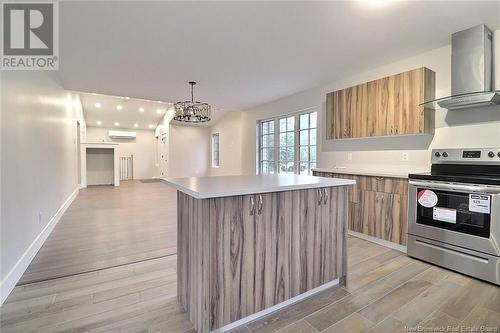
(445, 154)
(437, 154)
(491, 154)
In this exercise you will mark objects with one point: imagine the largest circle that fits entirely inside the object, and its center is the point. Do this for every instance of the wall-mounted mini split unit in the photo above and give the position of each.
(122, 135)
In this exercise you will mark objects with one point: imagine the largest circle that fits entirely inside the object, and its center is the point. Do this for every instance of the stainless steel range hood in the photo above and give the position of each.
(471, 71)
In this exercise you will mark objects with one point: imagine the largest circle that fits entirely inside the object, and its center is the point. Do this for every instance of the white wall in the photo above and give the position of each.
(462, 128)
(38, 164)
(143, 147)
(189, 151)
(229, 129)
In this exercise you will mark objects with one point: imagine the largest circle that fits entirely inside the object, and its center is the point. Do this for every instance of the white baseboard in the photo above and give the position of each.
(11, 279)
(378, 241)
(277, 307)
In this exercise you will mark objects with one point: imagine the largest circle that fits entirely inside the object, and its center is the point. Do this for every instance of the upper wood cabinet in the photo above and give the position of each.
(387, 106)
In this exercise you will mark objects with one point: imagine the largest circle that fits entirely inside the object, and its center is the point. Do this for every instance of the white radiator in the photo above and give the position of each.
(127, 167)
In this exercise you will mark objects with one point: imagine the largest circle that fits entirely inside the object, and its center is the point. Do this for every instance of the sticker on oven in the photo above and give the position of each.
(427, 198)
(444, 214)
(479, 203)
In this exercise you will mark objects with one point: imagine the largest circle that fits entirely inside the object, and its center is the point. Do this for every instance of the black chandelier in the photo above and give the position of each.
(191, 111)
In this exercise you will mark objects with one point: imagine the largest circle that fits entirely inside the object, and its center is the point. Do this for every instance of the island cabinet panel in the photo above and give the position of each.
(387, 106)
(193, 259)
(318, 241)
(239, 255)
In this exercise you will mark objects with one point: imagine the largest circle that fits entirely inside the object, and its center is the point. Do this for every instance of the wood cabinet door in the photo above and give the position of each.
(272, 250)
(371, 108)
(359, 113)
(349, 111)
(344, 100)
(371, 211)
(330, 129)
(334, 212)
(305, 237)
(337, 105)
(383, 105)
(230, 222)
(391, 217)
(381, 216)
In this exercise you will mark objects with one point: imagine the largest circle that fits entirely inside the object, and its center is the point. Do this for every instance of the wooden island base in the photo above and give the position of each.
(239, 255)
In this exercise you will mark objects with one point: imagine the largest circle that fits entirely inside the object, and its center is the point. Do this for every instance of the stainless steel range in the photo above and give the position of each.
(454, 212)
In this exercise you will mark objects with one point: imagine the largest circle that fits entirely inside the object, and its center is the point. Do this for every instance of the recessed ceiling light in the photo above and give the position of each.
(159, 111)
(97, 105)
(99, 122)
(136, 125)
(150, 126)
(141, 109)
(117, 124)
(119, 107)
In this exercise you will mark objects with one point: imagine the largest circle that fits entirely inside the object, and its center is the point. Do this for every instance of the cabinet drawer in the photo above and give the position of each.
(382, 184)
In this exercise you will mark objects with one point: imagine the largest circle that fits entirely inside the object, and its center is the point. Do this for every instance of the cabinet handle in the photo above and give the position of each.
(379, 178)
(259, 204)
(320, 196)
(392, 129)
(325, 196)
(397, 129)
(251, 207)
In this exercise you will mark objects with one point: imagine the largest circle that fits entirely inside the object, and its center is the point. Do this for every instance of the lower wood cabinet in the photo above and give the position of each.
(378, 206)
(241, 254)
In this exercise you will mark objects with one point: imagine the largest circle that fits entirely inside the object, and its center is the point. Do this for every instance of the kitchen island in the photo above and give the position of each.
(251, 244)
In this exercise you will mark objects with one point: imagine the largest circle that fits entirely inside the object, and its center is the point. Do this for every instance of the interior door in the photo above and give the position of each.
(163, 154)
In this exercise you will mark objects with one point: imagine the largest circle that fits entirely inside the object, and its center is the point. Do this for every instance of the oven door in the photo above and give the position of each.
(459, 214)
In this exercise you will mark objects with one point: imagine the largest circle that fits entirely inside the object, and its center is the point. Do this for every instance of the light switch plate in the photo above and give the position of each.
(404, 157)
(349, 156)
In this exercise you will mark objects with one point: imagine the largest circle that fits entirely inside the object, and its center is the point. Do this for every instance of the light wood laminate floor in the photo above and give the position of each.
(386, 291)
(108, 226)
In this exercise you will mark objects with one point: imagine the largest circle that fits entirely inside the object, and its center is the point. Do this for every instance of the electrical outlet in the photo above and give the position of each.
(404, 157)
(349, 156)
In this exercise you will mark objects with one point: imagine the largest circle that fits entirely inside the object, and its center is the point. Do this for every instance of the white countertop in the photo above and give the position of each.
(364, 172)
(213, 187)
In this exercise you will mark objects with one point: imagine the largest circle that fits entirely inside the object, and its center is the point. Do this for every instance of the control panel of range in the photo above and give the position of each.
(469, 156)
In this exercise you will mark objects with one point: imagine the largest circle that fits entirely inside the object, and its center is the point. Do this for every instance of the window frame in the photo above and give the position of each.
(296, 146)
(215, 151)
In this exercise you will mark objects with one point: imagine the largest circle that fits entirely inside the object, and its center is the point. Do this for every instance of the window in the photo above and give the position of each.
(215, 150)
(288, 144)
(267, 147)
(307, 142)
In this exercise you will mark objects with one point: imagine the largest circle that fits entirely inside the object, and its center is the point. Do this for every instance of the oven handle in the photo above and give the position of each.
(457, 187)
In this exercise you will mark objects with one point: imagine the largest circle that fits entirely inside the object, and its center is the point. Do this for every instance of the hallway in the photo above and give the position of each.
(108, 226)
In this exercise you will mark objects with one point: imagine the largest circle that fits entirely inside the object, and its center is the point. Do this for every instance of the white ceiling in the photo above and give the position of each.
(245, 53)
(108, 114)
(129, 115)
